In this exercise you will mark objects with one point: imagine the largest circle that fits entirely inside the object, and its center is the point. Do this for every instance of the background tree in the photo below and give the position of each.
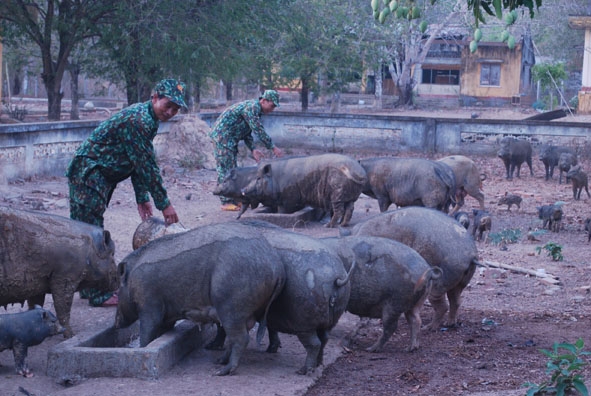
(55, 27)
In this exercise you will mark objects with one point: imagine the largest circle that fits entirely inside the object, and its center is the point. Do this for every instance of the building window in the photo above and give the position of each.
(490, 75)
(441, 77)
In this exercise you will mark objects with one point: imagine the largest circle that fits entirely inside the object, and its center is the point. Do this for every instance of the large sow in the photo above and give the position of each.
(514, 152)
(315, 295)
(331, 182)
(216, 273)
(408, 181)
(389, 279)
(468, 179)
(42, 253)
(441, 241)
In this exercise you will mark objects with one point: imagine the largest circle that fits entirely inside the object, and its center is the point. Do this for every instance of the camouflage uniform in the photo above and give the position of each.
(120, 147)
(237, 123)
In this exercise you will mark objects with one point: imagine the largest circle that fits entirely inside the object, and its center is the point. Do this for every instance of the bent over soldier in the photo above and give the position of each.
(237, 123)
(121, 147)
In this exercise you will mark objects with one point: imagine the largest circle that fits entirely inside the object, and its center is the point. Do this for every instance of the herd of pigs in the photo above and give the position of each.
(240, 273)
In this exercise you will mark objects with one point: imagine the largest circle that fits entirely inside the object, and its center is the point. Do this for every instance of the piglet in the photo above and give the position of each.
(21, 330)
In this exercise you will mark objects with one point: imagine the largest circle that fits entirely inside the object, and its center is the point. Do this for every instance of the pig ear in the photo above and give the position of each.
(107, 237)
(232, 174)
(122, 270)
(266, 169)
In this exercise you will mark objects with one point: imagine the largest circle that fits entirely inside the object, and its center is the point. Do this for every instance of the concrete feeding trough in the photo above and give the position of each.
(110, 353)
(288, 220)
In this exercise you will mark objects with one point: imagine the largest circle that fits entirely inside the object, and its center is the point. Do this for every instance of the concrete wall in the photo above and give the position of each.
(46, 148)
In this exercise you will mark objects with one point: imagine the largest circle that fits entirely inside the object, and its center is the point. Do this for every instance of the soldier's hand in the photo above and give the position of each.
(145, 210)
(257, 155)
(278, 152)
(170, 215)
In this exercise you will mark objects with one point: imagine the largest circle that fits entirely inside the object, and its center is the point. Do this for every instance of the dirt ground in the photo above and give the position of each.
(505, 319)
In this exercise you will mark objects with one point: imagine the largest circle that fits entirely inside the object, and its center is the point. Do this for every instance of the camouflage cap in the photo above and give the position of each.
(173, 90)
(272, 95)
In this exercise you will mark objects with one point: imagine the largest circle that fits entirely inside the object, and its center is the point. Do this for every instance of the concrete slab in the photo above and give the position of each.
(297, 219)
(109, 353)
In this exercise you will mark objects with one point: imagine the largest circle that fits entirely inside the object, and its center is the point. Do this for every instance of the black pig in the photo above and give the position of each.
(515, 152)
(579, 180)
(21, 330)
(551, 215)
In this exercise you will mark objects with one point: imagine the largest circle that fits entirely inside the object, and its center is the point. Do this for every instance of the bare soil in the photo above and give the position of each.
(505, 319)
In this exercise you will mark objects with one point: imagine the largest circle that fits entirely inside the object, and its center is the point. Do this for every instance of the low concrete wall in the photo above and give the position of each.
(46, 148)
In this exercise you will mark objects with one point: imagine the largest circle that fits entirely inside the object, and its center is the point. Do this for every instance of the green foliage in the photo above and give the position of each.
(549, 73)
(564, 367)
(554, 250)
(508, 235)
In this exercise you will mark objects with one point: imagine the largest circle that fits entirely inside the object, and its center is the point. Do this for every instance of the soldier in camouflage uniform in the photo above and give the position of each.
(121, 147)
(237, 123)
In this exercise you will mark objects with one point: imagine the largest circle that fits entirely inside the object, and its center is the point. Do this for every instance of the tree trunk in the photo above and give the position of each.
(52, 82)
(74, 70)
(379, 89)
(304, 93)
(228, 85)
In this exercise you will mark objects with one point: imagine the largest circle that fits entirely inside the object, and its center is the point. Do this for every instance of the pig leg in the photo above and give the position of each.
(440, 307)
(413, 318)
(19, 351)
(455, 296)
(150, 326)
(349, 206)
(323, 337)
(237, 342)
(338, 212)
(274, 341)
(63, 296)
(384, 203)
(313, 345)
(389, 326)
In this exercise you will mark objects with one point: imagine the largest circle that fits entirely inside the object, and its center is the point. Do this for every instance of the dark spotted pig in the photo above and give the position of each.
(21, 330)
(549, 155)
(42, 253)
(441, 241)
(514, 152)
(409, 182)
(315, 295)
(565, 161)
(579, 181)
(482, 223)
(551, 216)
(468, 179)
(330, 182)
(217, 273)
(389, 279)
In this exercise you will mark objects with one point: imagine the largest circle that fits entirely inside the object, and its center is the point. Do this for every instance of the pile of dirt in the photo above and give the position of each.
(188, 144)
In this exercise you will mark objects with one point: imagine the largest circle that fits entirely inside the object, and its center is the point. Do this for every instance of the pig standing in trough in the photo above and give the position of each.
(409, 181)
(389, 279)
(42, 253)
(441, 241)
(21, 330)
(331, 182)
(514, 152)
(468, 179)
(217, 273)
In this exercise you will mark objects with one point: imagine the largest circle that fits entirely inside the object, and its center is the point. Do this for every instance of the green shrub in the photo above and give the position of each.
(564, 367)
(554, 250)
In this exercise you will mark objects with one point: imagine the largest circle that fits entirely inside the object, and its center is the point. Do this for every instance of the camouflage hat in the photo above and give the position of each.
(271, 95)
(173, 90)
